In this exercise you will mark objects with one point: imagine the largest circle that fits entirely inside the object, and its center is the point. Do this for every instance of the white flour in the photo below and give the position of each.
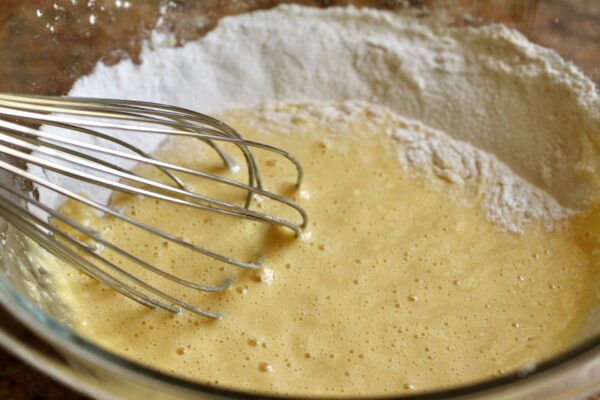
(488, 86)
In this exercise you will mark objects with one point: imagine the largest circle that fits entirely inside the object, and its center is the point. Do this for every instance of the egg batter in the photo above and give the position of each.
(404, 284)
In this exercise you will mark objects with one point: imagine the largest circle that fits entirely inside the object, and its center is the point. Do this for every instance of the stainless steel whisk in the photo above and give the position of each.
(61, 150)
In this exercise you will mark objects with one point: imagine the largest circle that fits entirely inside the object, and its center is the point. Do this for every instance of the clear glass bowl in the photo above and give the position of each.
(45, 46)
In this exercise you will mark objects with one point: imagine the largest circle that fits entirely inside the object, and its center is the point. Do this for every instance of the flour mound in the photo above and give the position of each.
(509, 200)
(489, 87)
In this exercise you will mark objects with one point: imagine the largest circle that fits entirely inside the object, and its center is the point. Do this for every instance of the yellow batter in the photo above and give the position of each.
(399, 288)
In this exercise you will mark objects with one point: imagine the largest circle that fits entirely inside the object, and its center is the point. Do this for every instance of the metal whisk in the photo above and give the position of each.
(65, 149)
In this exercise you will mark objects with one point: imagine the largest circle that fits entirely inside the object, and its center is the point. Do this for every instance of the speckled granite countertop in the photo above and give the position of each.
(33, 58)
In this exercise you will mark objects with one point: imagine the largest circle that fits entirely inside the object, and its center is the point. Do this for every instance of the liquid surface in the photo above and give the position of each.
(400, 287)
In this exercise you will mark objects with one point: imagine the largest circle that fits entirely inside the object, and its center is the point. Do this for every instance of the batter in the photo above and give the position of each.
(404, 283)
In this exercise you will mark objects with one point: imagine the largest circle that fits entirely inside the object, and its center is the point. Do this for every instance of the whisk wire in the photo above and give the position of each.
(142, 159)
(124, 110)
(233, 209)
(97, 238)
(57, 151)
(32, 227)
(220, 132)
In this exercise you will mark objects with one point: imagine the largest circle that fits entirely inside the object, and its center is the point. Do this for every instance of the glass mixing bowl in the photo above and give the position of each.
(45, 46)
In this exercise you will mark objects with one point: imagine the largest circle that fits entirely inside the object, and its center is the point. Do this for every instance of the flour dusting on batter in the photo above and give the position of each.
(509, 200)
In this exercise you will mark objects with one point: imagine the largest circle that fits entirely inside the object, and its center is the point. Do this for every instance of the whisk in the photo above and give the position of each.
(66, 149)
